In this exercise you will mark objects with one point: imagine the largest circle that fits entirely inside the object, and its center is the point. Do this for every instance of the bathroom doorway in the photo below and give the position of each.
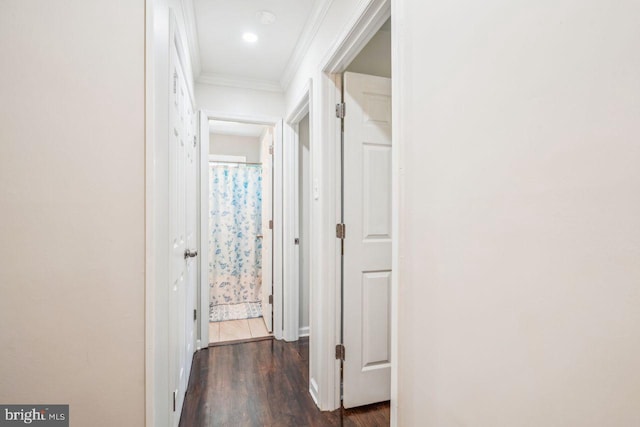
(240, 243)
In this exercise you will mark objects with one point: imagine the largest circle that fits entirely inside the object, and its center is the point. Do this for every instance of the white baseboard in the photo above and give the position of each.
(303, 332)
(313, 390)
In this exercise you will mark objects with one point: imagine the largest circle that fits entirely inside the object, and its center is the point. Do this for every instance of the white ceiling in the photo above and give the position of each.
(234, 128)
(225, 55)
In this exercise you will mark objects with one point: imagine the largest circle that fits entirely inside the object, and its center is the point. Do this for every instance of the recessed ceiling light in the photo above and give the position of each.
(265, 17)
(250, 37)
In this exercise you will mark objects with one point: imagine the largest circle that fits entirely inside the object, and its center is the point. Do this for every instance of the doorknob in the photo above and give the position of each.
(259, 236)
(190, 254)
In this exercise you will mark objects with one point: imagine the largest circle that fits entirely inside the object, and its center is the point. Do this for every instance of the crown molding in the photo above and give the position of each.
(191, 28)
(371, 15)
(240, 82)
(311, 27)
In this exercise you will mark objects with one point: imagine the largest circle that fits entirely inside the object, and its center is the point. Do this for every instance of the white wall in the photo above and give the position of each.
(375, 57)
(519, 238)
(72, 208)
(265, 140)
(336, 19)
(235, 145)
(233, 100)
(304, 197)
(323, 372)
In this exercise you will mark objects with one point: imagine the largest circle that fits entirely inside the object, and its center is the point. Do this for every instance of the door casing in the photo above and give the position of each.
(291, 220)
(368, 19)
(276, 123)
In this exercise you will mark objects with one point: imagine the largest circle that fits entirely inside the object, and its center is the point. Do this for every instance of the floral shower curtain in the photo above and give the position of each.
(235, 263)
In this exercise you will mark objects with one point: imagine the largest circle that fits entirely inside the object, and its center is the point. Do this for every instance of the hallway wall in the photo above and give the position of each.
(322, 232)
(241, 101)
(336, 19)
(235, 145)
(519, 237)
(72, 208)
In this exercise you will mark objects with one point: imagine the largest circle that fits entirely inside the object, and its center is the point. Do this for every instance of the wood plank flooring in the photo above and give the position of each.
(263, 383)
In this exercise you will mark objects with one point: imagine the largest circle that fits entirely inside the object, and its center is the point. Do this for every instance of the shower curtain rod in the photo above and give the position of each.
(235, 163)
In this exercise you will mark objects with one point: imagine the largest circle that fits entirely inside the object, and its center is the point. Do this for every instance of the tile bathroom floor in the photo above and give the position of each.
(237, 330)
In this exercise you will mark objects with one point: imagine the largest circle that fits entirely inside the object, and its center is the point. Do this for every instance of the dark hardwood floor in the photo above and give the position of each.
(262, 383)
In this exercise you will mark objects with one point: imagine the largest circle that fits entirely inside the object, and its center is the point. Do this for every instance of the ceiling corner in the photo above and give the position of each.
(316, 17)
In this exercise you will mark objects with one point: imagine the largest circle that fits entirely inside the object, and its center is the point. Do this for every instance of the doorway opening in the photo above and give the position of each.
(249, 100)
(239, 210)
(304, 223)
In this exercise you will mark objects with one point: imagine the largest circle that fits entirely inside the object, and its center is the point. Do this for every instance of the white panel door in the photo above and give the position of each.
(191, 238)
(180, 269)
(267, 233)
(367, 246)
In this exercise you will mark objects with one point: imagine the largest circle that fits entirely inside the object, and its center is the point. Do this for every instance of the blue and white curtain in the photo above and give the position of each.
(235, 262)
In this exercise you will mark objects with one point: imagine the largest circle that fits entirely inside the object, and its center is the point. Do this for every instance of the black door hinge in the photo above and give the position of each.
(340, 352)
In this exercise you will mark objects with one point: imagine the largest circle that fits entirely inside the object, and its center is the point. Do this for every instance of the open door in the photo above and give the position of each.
(367, 240)
(266, 154)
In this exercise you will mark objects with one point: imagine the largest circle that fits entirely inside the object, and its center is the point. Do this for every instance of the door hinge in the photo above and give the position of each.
(340, 352)
(175, 398)
(271, 149)
(270, 224)
(271, 299)
(341, 231)
(195, 314)
(175, 82)
(341, 110)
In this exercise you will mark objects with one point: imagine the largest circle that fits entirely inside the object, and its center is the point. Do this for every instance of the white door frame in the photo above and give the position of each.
(203, 249)
(291, 251)
(366, 22)
(277, 223)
